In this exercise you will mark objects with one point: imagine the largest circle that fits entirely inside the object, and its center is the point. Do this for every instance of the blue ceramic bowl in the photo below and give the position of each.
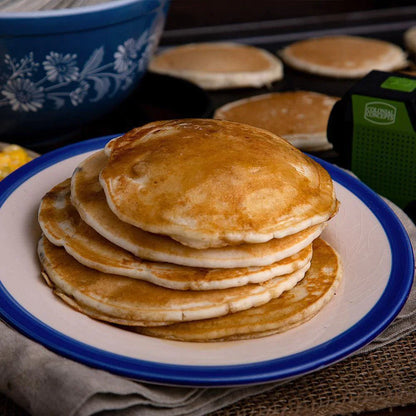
(60, 69)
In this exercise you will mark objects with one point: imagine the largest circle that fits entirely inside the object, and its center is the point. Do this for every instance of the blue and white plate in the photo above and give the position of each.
(378, 273)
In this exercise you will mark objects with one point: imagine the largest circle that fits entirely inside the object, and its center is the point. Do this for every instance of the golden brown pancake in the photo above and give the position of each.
(212, 183)
(89, 199)
(343, 56)
(409, 39)
(62, 225)
(218, 65)
(291, 309)
(129, 301)
(300, 117)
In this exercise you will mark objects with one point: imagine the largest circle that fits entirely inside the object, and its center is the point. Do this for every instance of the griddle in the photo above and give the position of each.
(162, 97)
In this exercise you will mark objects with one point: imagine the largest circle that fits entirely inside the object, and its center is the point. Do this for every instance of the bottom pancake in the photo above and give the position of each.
(291, 309)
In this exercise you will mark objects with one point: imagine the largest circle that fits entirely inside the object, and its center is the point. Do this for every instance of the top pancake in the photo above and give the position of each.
(217, 65)
(343, 56)
(211, 183)
(88, 198)
(300, 117)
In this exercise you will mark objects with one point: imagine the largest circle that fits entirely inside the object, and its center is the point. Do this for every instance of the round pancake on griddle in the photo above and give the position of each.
(291, 309)
(219, 65)
(212, 183)
(300, 117)
(62, 226)
(409, 39)
(343, 56)
(88, 198)
(129, 301)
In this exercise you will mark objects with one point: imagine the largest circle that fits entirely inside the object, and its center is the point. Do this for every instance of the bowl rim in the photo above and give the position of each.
(78, 19)
(74, 11)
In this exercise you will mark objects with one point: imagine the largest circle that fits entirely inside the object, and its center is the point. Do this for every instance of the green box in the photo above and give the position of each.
(378, 118)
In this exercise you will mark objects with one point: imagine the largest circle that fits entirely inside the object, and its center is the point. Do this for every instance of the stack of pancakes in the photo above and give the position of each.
(195, 230)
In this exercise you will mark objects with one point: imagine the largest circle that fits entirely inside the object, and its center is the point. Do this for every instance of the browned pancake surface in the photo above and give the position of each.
(211, 183)
(139, 302)
(63, 226)
(291, 309)
(89, 199)
(213, 57)
(344, 56)
(283, 113)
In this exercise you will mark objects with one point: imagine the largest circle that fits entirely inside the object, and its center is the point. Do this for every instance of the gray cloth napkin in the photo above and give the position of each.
(44, 383)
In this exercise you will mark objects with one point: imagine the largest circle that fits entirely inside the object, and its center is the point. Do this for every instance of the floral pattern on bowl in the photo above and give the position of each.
(67, 80)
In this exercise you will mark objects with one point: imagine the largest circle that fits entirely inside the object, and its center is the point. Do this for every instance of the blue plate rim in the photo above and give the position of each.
(373, 323)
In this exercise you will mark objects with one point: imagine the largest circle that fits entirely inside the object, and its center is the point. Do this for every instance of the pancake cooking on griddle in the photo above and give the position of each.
(343, 56)
(300, 117)
(219, 65)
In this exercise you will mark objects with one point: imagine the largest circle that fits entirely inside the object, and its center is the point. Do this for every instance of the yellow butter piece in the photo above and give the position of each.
(11, 158)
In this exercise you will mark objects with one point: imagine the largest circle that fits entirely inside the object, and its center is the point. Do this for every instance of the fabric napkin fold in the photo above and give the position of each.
(45, 383)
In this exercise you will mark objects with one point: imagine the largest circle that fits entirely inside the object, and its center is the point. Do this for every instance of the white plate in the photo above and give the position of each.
(373, 245)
